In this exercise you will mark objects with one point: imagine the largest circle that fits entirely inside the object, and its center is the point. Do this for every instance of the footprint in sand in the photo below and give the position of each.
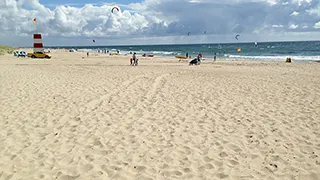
(207, 159)
(61, 176)
(141, 177)
(86, 168)
(222, 175)
(187, 170)
(223, 154)
(140, 168)
(177, 173)
(206, 166)
(234, 162)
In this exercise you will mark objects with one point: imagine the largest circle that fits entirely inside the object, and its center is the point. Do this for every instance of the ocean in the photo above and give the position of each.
(267, 51)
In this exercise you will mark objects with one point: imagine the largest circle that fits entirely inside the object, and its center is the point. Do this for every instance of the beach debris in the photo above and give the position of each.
(115, 8)
(237, 36)
(274, 165)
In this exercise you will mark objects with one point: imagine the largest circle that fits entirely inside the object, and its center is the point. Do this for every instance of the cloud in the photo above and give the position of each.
(293, 26)
(294, 13)
(163, 19)
(277, 26)
(317, 25)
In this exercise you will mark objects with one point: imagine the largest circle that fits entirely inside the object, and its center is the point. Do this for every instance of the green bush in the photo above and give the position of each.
(6, 50)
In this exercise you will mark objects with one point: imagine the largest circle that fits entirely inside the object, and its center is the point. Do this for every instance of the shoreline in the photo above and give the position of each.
(210, 57)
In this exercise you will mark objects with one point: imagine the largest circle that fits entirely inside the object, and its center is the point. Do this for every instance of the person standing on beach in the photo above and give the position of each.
(187, 55)
(134, 60)
(214, 56)
(87, 54)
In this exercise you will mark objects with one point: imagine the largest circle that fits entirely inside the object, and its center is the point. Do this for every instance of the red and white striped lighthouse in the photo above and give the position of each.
(37, 43)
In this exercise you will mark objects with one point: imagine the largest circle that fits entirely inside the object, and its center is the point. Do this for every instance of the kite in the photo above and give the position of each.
(35, 21)
(205, 32)
(237, 36)
(114, 9)
(188, 33)
(94, 41)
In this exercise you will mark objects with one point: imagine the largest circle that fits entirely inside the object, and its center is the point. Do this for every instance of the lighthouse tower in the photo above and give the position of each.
(37, 43)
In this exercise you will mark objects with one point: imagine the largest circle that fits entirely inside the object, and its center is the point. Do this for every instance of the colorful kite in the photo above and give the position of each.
(114, 9)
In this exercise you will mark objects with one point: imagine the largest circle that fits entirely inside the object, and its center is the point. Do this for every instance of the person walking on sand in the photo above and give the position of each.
(187, 55)
(87, 54)
(214, 56)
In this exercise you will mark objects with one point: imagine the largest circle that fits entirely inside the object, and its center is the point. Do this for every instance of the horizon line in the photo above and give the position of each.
(246, 42)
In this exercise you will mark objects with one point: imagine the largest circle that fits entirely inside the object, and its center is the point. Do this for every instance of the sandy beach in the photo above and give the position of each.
(74, 118)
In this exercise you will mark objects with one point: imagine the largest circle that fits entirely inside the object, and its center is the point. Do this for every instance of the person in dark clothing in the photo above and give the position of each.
(195, 61)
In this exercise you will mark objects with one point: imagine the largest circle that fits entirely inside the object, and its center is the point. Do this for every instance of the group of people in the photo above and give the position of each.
(195, 61)
(134, 60)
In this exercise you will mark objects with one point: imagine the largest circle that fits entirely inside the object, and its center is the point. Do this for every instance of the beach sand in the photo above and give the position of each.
(99, 118)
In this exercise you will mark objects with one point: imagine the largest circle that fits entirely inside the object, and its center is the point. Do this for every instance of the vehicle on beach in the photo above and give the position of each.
(22, 54)
(39, 55)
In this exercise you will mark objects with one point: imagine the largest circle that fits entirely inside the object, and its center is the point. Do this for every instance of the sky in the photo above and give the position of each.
(75, 23)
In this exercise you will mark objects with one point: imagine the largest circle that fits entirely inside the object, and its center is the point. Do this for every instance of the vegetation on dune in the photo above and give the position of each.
(6, 50)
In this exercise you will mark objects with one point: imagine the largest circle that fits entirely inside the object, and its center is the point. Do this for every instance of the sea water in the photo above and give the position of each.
(267, 51)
